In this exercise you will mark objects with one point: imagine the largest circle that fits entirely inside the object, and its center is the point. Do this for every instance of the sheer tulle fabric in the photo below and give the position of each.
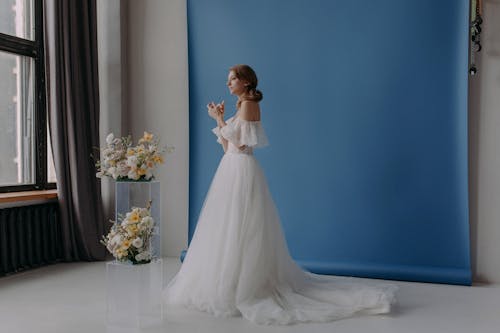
(242, 132)
(238, 261)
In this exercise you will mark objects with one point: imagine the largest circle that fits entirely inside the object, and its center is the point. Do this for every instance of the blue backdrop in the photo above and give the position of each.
(365, 106)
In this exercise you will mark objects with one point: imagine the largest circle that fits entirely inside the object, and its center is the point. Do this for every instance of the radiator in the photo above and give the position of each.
(30, 236)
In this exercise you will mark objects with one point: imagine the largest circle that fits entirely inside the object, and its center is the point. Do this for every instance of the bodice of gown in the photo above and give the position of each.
(242, 135)
(232, 149)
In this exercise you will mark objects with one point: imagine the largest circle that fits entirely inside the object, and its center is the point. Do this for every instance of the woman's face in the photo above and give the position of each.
(236, 87)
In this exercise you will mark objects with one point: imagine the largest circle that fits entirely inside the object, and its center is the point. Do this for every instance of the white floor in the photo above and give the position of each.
(72, 298)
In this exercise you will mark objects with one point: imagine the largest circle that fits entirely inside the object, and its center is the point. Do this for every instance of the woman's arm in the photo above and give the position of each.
(249, 111)
(217, 113)
(221, 123)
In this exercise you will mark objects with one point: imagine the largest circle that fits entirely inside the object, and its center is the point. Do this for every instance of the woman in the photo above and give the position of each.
(238, 261)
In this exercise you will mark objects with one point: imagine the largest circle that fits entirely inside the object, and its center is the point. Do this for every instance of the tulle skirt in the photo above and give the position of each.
(238, 261)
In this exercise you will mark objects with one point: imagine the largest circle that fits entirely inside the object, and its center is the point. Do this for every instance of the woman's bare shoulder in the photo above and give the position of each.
(250, 110)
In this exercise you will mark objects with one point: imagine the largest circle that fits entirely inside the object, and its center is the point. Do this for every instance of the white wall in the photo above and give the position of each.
(157, 101)
(484, 151)
(111, 58)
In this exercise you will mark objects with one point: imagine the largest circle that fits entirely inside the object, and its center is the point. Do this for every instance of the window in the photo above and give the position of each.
(26, 162)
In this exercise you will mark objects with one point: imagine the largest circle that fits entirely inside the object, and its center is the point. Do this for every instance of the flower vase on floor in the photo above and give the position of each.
(133, 297)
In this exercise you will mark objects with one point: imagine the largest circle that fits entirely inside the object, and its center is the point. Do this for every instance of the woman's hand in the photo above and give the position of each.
(220, 108)
(216, 111)
(212, 110)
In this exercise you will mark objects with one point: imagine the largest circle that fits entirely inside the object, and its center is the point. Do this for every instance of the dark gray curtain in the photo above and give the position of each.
(73, 107)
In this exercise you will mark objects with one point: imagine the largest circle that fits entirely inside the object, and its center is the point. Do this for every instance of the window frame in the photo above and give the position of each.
(35, 50)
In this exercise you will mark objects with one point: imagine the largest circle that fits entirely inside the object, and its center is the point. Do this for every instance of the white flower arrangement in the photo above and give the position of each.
(122, 161)
(130, 238)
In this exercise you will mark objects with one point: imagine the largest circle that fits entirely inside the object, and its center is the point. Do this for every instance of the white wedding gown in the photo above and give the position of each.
(238, 261)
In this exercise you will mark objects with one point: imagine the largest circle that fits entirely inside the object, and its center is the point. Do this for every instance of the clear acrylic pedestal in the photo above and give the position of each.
(130, 194)
(133, 296)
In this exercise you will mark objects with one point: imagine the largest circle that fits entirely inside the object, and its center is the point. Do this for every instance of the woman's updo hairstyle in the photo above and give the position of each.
(247, 74)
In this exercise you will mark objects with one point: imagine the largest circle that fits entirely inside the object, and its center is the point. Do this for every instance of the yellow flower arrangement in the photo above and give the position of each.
(122, 161)
(129, 238)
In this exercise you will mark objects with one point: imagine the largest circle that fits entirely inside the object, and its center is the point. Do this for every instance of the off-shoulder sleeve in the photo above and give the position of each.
(243, 132)
(216, 131)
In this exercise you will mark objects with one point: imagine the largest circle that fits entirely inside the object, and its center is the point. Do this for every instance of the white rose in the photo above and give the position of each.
(122, 168)
(116, 157)
(106, 153)
(116, 239)
(114, 243)
(147, 221)
(110, 138)
(112, 170)
(137, 242)
(132, 161)
(133, 175)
